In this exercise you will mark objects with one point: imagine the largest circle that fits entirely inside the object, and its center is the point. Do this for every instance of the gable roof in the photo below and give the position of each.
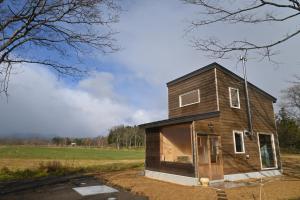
(223, 69)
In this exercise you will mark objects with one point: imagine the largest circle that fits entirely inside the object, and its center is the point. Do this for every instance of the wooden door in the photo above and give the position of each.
(210, 163)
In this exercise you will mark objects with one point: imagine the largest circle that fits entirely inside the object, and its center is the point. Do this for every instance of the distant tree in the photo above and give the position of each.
(291, 98)
(126, 136)
(288, 130)
(64, 27)
(250, 12)
(57, 141)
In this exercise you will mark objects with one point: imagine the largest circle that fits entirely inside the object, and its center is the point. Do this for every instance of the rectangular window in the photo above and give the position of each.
(267, 150)
(189, 98)
(238, 140)
(234, 97)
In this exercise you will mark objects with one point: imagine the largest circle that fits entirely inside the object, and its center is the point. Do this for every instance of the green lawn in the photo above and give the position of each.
(68, 153)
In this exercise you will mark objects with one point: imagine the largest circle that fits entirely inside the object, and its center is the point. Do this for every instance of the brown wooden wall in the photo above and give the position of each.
(208, 101)
(236, 119)
(152, 148)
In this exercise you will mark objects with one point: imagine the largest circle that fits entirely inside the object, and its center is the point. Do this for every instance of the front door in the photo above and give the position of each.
(210, 163)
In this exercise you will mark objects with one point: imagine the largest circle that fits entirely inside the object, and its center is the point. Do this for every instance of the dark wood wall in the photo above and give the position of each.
(236, 119)
(208, 101)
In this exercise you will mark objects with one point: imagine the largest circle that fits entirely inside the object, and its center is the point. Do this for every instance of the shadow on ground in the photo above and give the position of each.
(62, 189)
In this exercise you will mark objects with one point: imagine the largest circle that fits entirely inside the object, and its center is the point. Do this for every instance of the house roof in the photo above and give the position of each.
(223, 69)
(180, 120)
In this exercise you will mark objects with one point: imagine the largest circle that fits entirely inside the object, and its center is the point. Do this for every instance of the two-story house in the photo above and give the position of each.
(207, 134)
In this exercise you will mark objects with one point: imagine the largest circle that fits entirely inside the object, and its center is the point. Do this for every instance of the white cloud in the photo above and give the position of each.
(40, 104)
(157, 49)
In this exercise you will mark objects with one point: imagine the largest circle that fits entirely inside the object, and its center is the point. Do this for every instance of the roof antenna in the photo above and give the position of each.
(250, 125)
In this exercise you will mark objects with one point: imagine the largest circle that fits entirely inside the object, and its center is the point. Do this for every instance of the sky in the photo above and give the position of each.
(129, 86)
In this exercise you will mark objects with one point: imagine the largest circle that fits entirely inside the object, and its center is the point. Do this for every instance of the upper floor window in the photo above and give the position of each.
(189, 98)
(238, 140)
(234, 97)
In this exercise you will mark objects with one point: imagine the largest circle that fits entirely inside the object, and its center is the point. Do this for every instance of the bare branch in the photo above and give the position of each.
(246, 12)
(65, 27)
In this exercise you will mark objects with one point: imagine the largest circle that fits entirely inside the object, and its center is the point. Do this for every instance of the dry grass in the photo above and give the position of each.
(21, 164)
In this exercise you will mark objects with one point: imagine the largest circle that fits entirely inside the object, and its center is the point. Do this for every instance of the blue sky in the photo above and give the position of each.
(128, 87)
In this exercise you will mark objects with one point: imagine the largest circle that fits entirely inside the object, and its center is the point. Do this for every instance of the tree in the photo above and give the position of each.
(250, 12)
(288, 130)
(65, 28)
(291, 98)
(126, 136)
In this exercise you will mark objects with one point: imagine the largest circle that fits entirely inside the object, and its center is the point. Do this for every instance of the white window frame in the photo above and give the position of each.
(238, 95)
(273, 149)
(234, 143)
(180, 101)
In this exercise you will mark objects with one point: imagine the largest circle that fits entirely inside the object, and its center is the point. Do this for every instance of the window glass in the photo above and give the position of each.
(189, 98)
(239, 142)
(234, 98)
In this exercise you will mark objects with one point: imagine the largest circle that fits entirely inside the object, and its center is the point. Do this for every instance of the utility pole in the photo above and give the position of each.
(250, 126)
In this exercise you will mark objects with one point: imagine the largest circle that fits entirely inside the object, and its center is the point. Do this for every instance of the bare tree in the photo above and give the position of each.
(31, 31)
(250, 12)
(291, 99)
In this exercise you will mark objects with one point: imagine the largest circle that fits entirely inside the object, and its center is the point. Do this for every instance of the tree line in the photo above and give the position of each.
(118, 137)
(288, 118)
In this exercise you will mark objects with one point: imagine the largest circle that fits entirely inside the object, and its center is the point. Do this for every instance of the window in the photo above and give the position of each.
(267, 150)
(234, 97)
(238, 140)
(189, 98)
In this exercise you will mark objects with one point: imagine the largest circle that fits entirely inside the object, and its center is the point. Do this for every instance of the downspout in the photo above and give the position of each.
(250, 124)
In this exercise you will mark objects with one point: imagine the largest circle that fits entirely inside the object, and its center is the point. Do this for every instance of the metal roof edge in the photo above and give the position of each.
(180, 120)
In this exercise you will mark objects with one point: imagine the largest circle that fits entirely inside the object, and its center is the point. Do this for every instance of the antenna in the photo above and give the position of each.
(250, 125)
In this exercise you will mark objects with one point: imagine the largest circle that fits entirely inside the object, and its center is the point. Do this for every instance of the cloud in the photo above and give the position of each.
(39, 104)
(156, 48)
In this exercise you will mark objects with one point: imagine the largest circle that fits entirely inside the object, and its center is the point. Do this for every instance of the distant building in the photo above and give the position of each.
(73, 144)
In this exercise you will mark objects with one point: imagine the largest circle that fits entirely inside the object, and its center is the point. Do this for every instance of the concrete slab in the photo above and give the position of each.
(92, 190)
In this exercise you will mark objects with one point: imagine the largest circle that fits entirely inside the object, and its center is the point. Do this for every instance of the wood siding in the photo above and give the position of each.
(205, 82)
(236, 119)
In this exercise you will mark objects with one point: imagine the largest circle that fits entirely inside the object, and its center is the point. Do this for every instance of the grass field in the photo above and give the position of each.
(68, 153)
(35, 161)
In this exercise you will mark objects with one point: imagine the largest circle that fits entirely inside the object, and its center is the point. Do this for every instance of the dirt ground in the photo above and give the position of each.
(282, 187)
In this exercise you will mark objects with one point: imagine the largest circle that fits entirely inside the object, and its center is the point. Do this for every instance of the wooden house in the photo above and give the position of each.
(207, 134)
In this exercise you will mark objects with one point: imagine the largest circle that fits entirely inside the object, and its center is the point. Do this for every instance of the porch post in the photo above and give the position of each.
(194, 149)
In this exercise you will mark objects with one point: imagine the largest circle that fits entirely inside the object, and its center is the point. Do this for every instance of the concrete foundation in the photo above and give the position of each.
(192, 181)
(178, 179)
(260, 174)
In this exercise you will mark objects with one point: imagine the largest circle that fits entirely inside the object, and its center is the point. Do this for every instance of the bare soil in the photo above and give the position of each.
(282, 187)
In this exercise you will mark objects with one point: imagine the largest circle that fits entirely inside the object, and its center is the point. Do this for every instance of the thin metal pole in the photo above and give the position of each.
(244, 59)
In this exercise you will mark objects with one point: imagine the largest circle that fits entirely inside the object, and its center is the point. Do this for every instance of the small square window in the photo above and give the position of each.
(238, 140)
(234, 97)
(189, 98)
